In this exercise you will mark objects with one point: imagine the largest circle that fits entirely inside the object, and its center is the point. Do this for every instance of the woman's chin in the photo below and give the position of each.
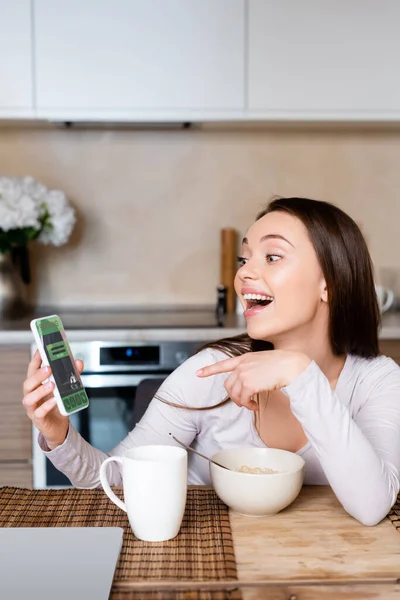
(257, 332)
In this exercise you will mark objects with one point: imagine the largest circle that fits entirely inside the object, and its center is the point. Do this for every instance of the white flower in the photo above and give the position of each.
(17, 209)
(26, 203)
(33, 188)
(62, 219)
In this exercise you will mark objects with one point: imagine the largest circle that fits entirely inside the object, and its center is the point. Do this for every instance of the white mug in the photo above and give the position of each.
(155, 486)
(385, 297)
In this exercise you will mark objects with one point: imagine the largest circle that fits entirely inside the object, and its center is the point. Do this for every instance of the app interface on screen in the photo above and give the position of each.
(63, 368)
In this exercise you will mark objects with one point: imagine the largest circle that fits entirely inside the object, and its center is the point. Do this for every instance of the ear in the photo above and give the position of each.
(324, 291)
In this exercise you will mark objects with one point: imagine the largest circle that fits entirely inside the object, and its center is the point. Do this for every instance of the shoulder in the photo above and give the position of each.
(373, 375)
(183, 385)
(205, 357)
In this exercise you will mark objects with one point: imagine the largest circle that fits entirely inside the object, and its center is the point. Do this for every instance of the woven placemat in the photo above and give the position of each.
(394, 514)
(202, 551)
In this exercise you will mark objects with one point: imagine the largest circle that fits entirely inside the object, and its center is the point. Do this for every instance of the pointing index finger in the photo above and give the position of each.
(222, 366)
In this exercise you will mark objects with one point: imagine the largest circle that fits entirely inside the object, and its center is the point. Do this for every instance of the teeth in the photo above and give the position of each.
(257, 297)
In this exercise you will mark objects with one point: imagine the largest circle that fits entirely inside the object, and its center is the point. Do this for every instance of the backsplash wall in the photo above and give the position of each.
(151, 203)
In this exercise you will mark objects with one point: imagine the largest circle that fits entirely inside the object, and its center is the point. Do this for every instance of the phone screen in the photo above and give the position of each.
(66, 376)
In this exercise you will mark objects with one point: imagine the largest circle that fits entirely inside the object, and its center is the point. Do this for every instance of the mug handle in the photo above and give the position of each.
(389, 300)
(106, 485)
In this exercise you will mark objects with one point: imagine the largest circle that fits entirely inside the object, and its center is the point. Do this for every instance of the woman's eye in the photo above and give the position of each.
(272, 257)
(241, 261)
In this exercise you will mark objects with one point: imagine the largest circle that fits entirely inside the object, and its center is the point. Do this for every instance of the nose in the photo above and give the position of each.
(249, 271)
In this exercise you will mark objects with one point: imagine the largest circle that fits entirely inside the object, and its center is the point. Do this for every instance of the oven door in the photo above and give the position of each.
(116, 403)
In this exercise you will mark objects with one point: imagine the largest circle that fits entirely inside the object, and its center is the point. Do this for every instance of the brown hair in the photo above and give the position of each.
(342, 252)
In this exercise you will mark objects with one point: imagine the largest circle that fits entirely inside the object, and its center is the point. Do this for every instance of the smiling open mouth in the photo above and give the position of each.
(253, 300)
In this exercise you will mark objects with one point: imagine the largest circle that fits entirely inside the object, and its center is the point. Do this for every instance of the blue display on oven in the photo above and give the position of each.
(130, 355)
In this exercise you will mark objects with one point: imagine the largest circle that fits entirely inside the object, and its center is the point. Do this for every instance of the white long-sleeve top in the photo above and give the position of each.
(353, 432)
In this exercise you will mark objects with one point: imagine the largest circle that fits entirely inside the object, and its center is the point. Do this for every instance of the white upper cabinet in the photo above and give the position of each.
(199, 60)
(15, 59)
(324, 59)
(139, 59)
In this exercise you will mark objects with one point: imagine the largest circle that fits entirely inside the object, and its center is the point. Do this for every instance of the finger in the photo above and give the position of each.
(79, 365)
(34, 365)
(45, 408)
(33, 382)
(247, 400)
(230, 382)
(37, 395)
(251, 405)
(31, 408)
(223, 366)
(236, 391)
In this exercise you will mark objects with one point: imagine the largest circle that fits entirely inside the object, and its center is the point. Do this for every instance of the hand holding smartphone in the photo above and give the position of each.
(55, 352)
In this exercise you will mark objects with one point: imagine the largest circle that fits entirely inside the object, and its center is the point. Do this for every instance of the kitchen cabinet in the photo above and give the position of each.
(16, 474)
(16, 95)
(208, 60)
(139, 60)
(15, 426)
(323, 60)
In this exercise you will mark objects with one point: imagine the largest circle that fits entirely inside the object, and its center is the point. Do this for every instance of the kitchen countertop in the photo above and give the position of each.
(129, 326)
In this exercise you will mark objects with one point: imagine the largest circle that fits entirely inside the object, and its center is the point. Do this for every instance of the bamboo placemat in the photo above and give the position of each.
(394, 514)
(202, 551)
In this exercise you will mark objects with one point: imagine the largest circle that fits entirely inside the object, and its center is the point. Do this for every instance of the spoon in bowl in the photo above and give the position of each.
(199, 454)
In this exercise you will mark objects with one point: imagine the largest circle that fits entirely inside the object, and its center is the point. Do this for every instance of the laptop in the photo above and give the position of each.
(66, 563)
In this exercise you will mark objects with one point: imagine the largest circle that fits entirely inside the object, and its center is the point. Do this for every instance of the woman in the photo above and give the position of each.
(307, 378)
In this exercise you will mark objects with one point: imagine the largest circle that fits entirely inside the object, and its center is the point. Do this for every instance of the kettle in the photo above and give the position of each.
(385, 297)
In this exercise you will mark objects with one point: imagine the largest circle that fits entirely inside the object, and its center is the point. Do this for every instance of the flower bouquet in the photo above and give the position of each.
(29, 211)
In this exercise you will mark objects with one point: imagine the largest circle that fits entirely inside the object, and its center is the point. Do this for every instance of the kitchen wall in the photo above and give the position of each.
(150, 203)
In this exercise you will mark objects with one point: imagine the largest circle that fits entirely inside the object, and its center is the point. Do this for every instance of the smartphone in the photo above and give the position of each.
(54, 349)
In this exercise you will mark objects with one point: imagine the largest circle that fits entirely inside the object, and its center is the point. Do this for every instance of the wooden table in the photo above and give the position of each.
(312, 550)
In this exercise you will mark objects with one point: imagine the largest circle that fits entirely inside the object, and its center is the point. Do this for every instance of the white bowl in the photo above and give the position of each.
(253, 494)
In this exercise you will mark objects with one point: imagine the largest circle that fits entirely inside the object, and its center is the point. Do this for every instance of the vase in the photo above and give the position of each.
(12, 289)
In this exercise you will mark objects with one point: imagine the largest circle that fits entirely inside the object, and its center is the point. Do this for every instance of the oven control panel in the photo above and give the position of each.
(106, 357)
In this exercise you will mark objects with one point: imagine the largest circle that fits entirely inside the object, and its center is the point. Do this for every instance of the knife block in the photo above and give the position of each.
(228, 266)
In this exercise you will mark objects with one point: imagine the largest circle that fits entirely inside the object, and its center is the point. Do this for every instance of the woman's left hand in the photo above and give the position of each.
(255, 372)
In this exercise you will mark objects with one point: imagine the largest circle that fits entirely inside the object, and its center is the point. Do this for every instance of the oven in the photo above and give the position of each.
(120, 380)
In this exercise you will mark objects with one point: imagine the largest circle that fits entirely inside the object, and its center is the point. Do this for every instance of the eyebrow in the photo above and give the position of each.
(269, 237)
